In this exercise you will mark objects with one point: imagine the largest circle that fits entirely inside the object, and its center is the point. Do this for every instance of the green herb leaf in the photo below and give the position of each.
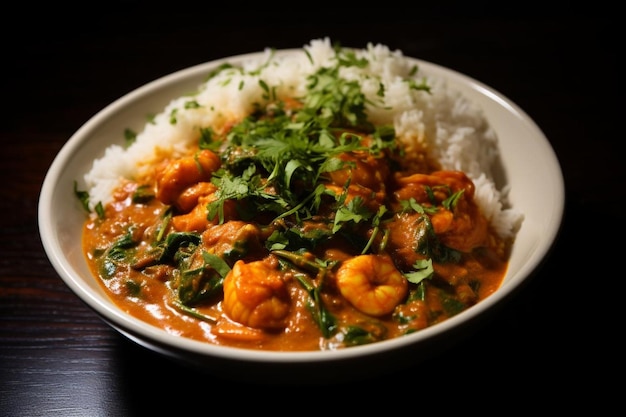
(423, 270)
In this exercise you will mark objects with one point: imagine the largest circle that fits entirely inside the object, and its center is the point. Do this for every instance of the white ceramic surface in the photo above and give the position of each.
(529, 163)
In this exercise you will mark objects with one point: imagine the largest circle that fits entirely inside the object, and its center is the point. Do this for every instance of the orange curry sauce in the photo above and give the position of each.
(332, 295)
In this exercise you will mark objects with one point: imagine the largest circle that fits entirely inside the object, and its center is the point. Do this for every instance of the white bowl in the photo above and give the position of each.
(529, 166)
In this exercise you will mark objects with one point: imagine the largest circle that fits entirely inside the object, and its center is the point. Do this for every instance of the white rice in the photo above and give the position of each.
(454, 130)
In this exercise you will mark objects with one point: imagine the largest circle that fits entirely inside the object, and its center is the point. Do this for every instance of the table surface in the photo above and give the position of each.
(57, 357)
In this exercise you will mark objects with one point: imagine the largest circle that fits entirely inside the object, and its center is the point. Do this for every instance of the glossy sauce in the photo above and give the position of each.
(272, 292)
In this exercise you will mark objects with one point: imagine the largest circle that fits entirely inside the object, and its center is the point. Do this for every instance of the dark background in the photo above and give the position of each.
(556, 344)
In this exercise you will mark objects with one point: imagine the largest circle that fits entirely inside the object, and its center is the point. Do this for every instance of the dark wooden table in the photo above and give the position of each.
(548, 344)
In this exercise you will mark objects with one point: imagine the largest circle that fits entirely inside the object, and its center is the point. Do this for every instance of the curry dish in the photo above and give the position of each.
(289, 231)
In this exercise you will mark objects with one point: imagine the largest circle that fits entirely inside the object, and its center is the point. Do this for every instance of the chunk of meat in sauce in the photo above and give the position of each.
(462, 227)
(234, 239)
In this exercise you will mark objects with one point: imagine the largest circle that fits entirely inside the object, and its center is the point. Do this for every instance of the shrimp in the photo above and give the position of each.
(368, 171)
(372, 284)
(197, 219)
(256, 295)
(189, 197)
(185, 172)
(371, 199)
(415, 186)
